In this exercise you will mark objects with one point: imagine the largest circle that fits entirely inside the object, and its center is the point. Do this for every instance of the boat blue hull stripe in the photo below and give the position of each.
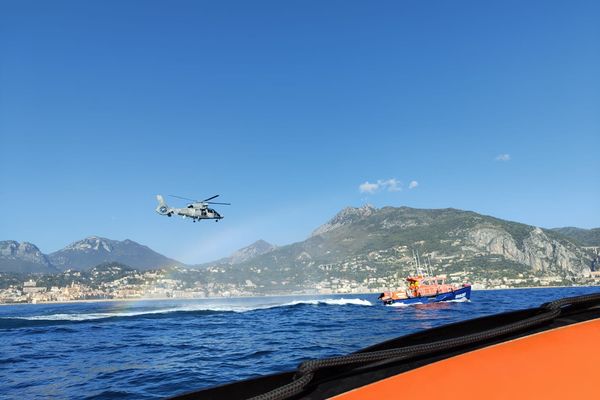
(459, 294)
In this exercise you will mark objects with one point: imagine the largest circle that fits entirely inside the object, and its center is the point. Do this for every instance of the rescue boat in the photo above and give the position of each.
(423, 289)
(551, 352)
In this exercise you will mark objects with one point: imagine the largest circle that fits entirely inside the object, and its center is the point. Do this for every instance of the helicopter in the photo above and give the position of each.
(196, 210)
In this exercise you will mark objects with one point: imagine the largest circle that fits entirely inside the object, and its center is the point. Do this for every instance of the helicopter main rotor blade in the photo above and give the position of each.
(210, 198)
(183, 198)
(223, 204)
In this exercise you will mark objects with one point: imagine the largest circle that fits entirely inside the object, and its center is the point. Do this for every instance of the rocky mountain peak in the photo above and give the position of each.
(12, 248)
(255, 249)
(347, 216)
(262, 245)
(94, 250)
(91, 243)
(15, 256)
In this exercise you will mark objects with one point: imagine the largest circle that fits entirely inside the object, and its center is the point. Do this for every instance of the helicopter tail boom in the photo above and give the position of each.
(162, 208)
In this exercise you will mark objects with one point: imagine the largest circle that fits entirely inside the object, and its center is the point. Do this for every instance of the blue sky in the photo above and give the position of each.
(286, 109)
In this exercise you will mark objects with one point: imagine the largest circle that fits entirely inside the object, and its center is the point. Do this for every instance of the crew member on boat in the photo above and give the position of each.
(414, 287)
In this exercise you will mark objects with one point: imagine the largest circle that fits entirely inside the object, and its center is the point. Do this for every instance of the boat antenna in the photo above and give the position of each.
(428, 267)
(419, 271)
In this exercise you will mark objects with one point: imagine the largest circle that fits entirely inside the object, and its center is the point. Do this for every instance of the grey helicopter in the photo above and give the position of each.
(196, 210)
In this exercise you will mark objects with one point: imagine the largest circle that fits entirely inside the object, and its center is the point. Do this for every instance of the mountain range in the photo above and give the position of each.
(360, 243)
(81, 255)
(356, 239)
(92, 251)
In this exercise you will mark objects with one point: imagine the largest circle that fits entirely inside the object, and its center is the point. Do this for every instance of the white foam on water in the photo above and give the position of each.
(190, 308)
(331, 302)
(402, 305)
(93, 316)
(463, 300)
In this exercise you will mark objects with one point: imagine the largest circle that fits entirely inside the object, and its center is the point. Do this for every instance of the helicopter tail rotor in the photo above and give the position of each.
(162, 208)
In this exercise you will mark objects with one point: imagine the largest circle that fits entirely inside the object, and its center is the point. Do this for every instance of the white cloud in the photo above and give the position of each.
(503, 157)
(368, 187)
(413, 184)
(391, 185)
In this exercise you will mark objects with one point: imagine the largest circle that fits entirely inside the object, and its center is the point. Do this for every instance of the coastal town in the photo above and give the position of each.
(360, 250)
(117, 282)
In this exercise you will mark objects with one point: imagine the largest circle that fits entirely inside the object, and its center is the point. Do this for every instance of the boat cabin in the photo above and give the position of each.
(427, 285)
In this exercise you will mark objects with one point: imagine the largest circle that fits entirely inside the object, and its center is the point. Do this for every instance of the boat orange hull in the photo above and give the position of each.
(559, 364)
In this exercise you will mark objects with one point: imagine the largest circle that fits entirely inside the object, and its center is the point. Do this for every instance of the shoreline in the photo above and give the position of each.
(175, 298)
(536, 287)
(258, 296)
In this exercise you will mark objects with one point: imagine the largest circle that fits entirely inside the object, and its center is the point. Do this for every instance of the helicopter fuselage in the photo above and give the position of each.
(192, 212)
(195, 211)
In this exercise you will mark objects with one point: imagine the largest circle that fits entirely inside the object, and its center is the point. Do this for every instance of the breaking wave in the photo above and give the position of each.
(331, 302)
(190, 310)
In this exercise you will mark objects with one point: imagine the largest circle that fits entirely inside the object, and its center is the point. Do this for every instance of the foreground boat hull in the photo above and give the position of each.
(463, 293)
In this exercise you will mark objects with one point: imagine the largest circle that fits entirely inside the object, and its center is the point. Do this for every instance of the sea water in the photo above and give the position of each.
(154, 349)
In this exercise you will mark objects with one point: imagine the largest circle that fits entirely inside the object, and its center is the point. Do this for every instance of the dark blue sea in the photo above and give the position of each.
(155, 349)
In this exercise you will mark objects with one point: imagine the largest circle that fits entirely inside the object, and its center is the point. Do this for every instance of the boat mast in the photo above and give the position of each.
(429, 268)
(417, 261)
